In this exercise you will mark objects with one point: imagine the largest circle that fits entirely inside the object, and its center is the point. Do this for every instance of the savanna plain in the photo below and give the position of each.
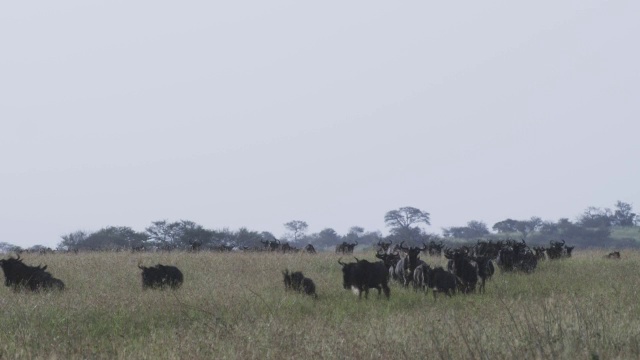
(234, 306)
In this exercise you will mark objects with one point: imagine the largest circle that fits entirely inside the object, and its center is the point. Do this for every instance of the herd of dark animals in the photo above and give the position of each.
(466, 267)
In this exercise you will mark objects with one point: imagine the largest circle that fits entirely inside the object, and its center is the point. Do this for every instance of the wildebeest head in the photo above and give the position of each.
(347, 274)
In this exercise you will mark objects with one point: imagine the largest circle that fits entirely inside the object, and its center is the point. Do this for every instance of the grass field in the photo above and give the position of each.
(233, 306)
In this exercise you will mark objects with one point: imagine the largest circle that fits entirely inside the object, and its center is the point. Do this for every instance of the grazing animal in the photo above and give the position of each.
(440, 280)
(363, 275)
(20, 276)
(161, 276)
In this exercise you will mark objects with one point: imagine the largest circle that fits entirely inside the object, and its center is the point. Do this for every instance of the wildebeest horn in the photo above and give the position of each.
(356, 259)
(424, 247)
(340, 262)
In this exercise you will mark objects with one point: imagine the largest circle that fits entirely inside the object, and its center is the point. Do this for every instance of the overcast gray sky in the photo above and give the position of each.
(255, 113)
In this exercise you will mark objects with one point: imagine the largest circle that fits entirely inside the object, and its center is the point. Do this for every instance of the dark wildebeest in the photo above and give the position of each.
(19, 276)
(362, 275)
(440, 280)
(406, 266)
(558, 250)
(485, 269)
(390, 261)
(310, 249)
(341, 248)
(466, 271)
(349, 247)
(298, 282)
(161, 276)
(613, 255)
(271, 245)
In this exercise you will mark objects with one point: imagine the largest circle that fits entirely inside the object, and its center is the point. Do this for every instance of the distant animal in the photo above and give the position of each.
(613, 255)
(20, 276)
(298, 282)
(310, 249)
(362, 275)
(161, 277)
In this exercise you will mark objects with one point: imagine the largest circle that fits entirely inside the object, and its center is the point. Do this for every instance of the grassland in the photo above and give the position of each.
(233, 306)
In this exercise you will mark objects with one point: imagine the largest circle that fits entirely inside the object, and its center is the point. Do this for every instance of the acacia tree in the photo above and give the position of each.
(403, 223)
(623, 215)
(297, 227)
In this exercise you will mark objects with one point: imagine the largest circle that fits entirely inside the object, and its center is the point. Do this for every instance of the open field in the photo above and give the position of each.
(234, 306)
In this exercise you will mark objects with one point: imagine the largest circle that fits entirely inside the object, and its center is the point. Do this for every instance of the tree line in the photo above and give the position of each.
(593, 228)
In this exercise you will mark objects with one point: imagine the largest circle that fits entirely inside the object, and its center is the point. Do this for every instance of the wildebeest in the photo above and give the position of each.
(161, 276)
(613, 255)
(298, 282)
(271, 245)
(362, 275)
(420, 277)
(406, 266)
(466, 271)
(20, 276)
(389, 260)
(485, 269)
(515, 255)
(559, 250)
(383, 247)
(440, 280)
(310, 249)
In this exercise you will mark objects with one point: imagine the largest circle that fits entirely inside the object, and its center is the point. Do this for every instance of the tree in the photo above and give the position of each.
(297, 227)
(474, 229)
(403, 223)
(594, 217)
(522, 226)
(113, 237)
(72, 240)
(623, 215)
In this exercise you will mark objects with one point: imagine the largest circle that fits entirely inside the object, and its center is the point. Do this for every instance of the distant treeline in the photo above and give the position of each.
(595, 227)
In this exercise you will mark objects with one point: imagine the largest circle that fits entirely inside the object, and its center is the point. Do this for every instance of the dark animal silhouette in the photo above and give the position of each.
(440, 280)
(310, 249)
(20, 276)
(363, 275)
(298, 282)
(161, 277)
(613, 255)
(464, 269)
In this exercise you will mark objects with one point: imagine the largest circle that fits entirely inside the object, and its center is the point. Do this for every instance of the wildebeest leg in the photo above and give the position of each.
(366, 292)
(386, 289)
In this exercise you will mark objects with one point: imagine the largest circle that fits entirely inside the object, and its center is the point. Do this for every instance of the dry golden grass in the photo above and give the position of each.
(233, 306)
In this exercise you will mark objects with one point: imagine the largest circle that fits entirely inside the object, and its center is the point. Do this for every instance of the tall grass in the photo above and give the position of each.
(233, 306)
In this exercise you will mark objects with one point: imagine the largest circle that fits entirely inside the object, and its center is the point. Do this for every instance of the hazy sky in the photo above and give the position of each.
(255, 113)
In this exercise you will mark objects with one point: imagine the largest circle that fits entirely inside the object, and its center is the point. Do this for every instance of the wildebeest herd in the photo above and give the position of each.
(467, 271)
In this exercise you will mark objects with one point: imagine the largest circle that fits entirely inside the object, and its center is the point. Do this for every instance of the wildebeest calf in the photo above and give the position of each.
(161, 276)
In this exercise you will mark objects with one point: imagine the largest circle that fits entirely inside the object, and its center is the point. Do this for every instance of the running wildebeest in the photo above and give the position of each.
(362, 275)
(161, 276)
(20, 276)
